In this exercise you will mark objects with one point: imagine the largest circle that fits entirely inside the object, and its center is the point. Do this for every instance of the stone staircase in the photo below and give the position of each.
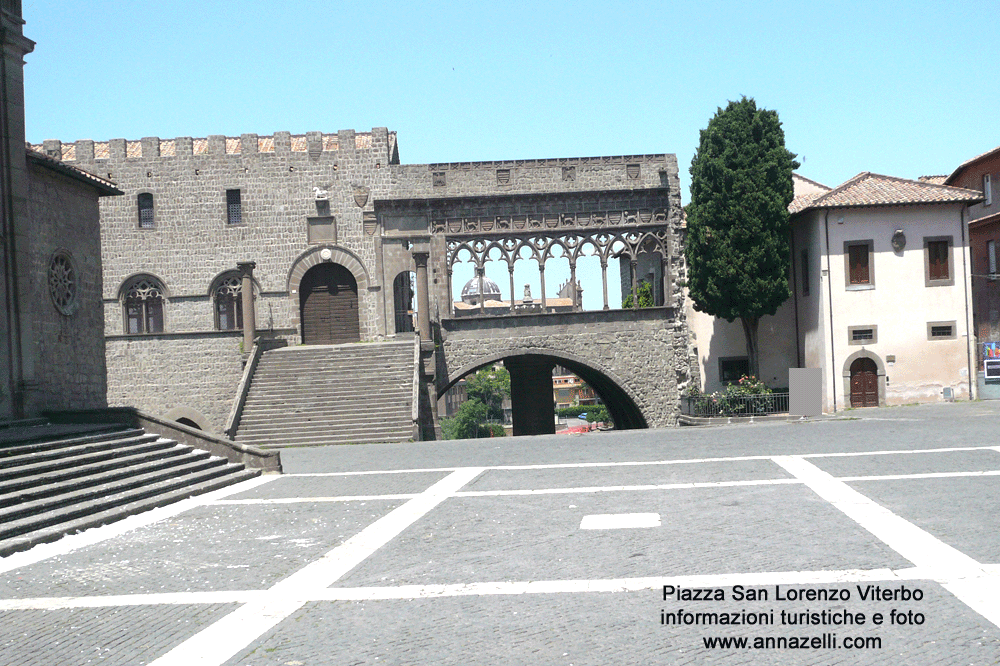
(312, 395)
(59, 479)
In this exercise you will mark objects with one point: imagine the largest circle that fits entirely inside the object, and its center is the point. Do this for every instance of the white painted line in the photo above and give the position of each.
(122, 600)
(844, 576)
(894, 452)
(963, 576)
(610, 489)
(376, 471)
(927, 475)
(615, 521)
(221, 640)
(913, 543)
(298, 500)
(643, 463)
(95, 535)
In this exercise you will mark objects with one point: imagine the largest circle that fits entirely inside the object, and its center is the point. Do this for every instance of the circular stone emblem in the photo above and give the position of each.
(62, 282)
(325, 254)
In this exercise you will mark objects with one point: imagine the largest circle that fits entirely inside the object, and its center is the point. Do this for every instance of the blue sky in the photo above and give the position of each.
(901, 88)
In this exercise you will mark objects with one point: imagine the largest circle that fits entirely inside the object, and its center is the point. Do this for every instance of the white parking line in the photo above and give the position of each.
(218, 642)
(943, 563)
(619, 521)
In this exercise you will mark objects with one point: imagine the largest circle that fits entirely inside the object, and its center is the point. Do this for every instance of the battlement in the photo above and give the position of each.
(87, 151)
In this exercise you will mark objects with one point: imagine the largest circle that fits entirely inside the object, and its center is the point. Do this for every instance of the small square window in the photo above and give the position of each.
(941, 330)
(731, 369)
(865, 334)
(234, 207)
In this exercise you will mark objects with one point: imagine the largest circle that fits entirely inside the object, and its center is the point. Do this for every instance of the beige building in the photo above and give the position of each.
(881, 297)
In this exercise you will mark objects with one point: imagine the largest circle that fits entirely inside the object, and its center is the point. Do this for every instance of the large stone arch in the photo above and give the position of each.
(335, 255)
(626, 407)
(846, 373)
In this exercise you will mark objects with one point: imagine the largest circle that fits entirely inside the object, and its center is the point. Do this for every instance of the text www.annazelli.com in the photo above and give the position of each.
(827, 641)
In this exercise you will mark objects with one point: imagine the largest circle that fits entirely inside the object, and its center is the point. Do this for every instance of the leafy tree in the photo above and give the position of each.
(644, 291)
(490, 386)
(737, 244)
(469, 422)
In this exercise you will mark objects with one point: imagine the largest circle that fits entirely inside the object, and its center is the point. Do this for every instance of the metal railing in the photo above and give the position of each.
(761, 404)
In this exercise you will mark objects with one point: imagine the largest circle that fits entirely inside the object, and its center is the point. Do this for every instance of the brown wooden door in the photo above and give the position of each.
(864, 383)
(328, 298)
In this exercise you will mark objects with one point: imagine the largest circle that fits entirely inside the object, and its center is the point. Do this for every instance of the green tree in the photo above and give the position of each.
(490, 386)
(737, 244)
(469, 422)
(644, 291)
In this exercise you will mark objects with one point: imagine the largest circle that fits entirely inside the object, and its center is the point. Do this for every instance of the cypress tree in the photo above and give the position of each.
(738, 231)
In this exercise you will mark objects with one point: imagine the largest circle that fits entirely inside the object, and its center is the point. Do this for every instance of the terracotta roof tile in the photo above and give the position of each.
(298, 144)
(870, 189)
(133, 149)
(935, 180)
(233, 146)
(168, 148)
(362, 141)
(330, 142)
(102, 151)
(265, 145)
(200, 146)
(103, 185)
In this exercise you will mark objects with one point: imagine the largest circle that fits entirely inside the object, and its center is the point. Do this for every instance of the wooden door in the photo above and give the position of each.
(864, 383)
(328, 298)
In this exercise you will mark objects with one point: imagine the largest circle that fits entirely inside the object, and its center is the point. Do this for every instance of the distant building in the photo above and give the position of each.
(881, 300)
(979, 173)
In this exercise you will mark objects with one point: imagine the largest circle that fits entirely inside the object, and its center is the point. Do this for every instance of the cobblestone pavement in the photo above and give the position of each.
(871, 539)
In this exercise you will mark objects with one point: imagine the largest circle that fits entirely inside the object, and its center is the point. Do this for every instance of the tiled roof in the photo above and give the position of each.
(936, 180)
(102, 185)
(966, 163)
(871, 189)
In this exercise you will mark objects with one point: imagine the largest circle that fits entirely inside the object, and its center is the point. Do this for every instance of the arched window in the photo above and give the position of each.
(143, 304)
(228, 297)
(146, 220)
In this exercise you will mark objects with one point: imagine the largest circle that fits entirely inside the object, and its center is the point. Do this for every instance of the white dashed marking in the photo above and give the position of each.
(614, 521)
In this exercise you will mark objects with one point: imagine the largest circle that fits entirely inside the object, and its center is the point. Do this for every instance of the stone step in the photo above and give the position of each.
(9, 451)
(143, 444)
(71, 478)
(331, 420)
(14, 518)
(389, 396)
(340, 393)
(327, 440)
(167, 493)
(49, 431)
(307, 427)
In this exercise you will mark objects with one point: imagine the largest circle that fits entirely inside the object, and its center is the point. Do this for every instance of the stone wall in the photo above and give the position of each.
(161, 374)
(645, 353)
(66, 347)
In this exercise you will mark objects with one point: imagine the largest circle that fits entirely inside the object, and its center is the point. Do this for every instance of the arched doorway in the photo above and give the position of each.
(328, 305)
(403, 301)
(864, 383)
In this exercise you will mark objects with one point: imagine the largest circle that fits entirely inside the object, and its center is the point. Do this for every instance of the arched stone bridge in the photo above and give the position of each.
(636, 360)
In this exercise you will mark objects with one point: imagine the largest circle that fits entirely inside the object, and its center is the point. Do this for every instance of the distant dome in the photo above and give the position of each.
(470, 292)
